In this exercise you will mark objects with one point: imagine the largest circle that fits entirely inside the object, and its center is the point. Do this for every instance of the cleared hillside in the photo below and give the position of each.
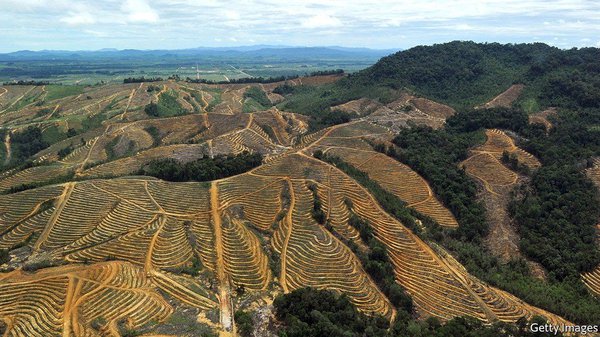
(380, 186)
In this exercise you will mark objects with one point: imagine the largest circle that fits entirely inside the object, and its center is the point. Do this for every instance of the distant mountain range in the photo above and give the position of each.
(255, 51)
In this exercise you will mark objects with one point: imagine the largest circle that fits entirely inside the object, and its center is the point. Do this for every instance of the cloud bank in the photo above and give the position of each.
(168, 24)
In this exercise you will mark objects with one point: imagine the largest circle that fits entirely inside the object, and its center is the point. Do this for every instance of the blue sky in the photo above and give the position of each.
(175, 24)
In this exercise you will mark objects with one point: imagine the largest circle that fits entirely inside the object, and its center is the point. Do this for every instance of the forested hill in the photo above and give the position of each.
(468, 73)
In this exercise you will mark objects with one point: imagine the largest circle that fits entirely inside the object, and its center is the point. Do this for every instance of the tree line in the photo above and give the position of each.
(141, 79)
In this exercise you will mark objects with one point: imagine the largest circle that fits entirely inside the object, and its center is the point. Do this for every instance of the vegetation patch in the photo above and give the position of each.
(141, 79)
(155, 134)
(556, 213)
(255, 100)
(61, 91)
(167, 106)
(204, 169)
(317, 210)
(308, 312)
(25, 144)
(244, 323)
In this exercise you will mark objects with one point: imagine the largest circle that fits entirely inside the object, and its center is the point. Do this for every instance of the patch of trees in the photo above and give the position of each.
(151, 109)
(326, 72)
(308, 312)
(317, 210)
(329, 118)
(571, 141)
(203, 169)
(167, 106)
(155, 134)
(65, 151)
(258, 95)
(284, 89)
(558, 210)
(26, 143)
(435, 155)
(477, 119)
(141, 79)
(4, 256)
(458, 73)
(244, 323)
(556, 214)
(511, 160)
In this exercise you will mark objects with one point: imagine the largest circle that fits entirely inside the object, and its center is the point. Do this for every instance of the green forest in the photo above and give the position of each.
(465, 74)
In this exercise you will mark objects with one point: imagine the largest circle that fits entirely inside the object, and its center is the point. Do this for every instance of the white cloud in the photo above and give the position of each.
(232, 15)
(374, 23)
(139, 11)
(321, 21)
(96, 33)
(463, 26)
(78, 19)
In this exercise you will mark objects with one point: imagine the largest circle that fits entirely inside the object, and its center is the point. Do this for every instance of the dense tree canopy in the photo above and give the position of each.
(204, 169)
(308, 312)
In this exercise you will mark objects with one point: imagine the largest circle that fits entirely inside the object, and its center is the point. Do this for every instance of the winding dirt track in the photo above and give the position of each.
(289, 222)
(133, 91)
(7, 147)
(226, 312)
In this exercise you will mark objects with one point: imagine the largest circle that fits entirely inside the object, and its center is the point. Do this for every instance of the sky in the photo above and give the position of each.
(382, 24)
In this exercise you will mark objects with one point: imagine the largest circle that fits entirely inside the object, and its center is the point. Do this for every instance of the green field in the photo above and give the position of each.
(61, 91)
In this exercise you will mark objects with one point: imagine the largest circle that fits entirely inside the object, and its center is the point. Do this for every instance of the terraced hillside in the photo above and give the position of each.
(404, 111)
(485, 164)
(506, 98)
(350, 142)
(160, 226)
(94, 251)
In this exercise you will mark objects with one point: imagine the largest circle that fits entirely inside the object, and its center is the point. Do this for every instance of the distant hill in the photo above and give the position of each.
(482, 71)
(466, 74)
